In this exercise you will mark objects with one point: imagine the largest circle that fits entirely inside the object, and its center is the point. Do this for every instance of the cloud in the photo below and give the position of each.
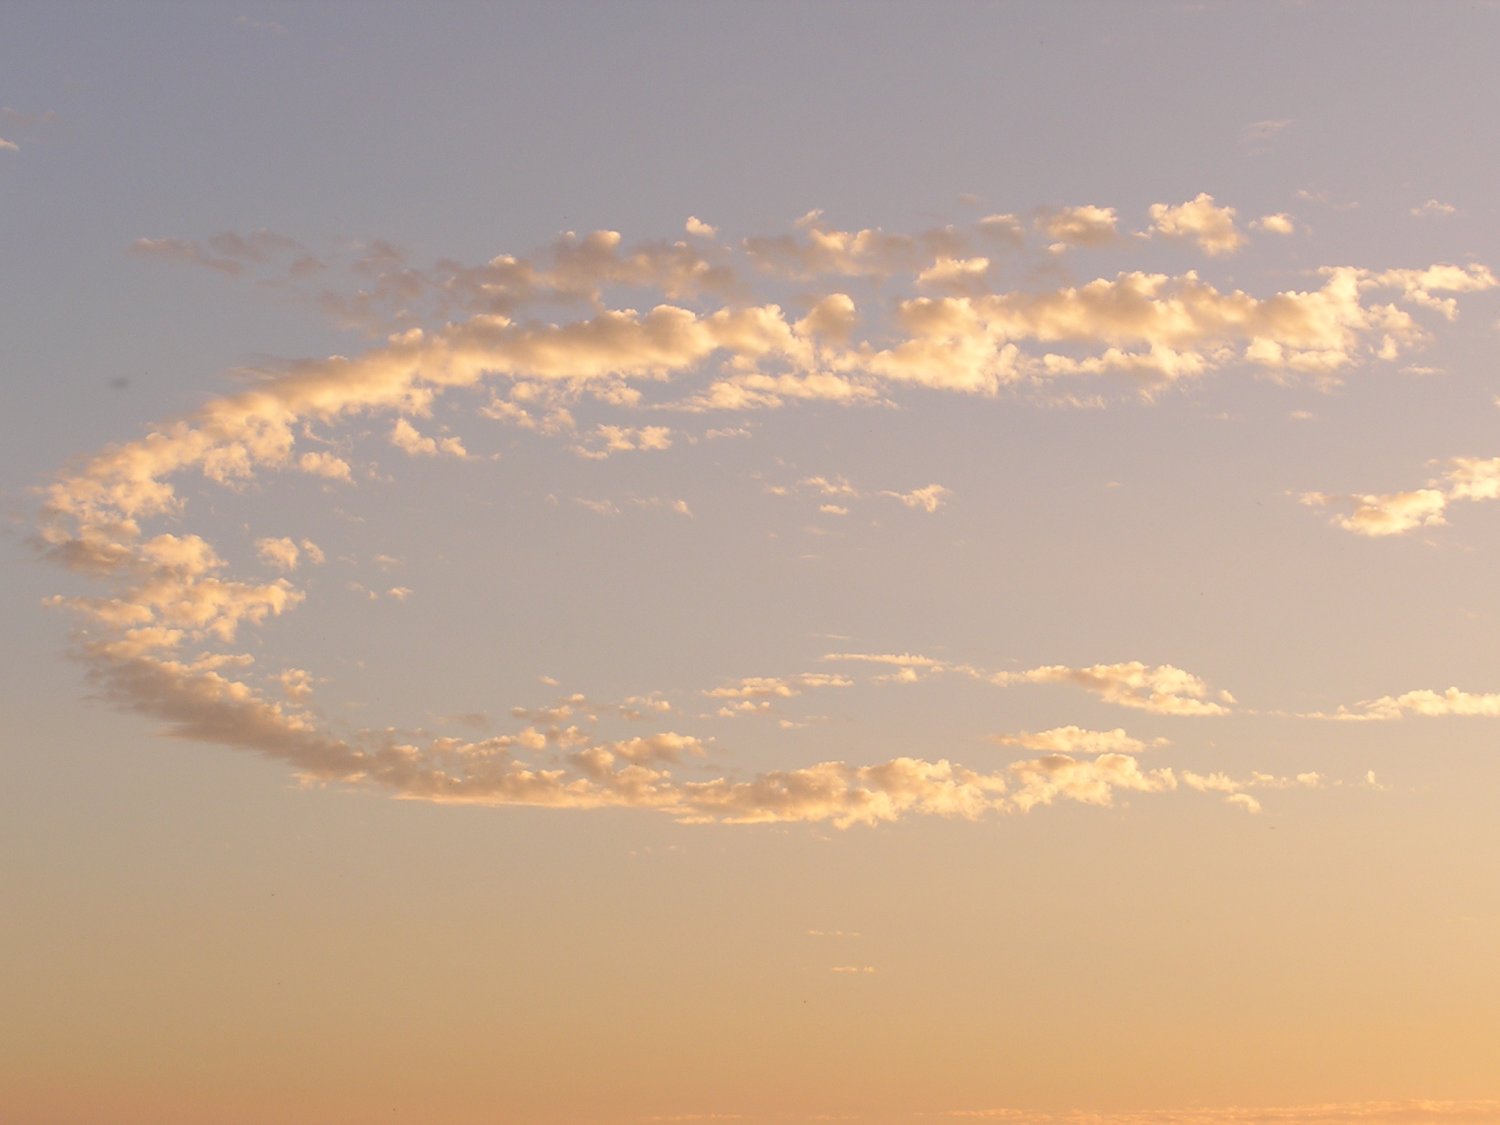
(1077, 740)
(227, 252)
(321, 464)
(1200, 219)
(1162, 689)
(1433, 207)
(404, 436)
(279, 553)
(9, 145)
(1396, 513)
(1079, 226)
(1278, 223)
(1391, 513)
(928, 499)
(608, 439)
(549, 335)
(1423, 702)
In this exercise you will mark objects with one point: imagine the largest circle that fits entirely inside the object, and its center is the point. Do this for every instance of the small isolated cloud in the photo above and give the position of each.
(321, 464)
(860, 970)
(279, 553)
(1380, 514)
(1433, 207)
(607, 440)
(1202, 220)
(1087, 225)
(1395, 513)
(697, 226)
(1163, 689)
(405, 437)
(296, 683)
(1423, 702)
(928, 499)
(9, 145)
(1279, 223)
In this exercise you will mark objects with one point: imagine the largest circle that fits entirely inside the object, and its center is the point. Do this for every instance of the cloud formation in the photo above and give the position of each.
(852, 318)
(1395, 513)
(1202, 220)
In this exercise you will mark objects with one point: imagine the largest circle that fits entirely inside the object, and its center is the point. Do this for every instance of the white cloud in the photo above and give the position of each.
(405, 437)
(609, 439)
(1396, 513)
(1087, 225)
(1423, 702)
(1278, 223)
(1202, 220)
(1163, 689)
(280, 553)
(1391, 513)
(323, 464)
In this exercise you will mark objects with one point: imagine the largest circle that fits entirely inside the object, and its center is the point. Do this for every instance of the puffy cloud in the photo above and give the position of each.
(280, 553)
(405, 437)
(322, 464)
(1474, 478)
(1163, 689)
(1423, 702)
(1278, 223)
(1091, 781)
(1202, 220)
(1079, 226)
(1391, 513)
(956, 275)
(755, 694)
(869, 252)
(608, 439)
(1395, 513)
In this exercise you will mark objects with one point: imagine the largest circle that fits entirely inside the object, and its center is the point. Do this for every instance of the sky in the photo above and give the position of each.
(764, 563)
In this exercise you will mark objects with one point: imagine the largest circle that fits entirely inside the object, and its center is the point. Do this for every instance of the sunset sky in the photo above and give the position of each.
(758, 562)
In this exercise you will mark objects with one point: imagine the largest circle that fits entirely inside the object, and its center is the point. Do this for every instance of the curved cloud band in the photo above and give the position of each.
(933, 315)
